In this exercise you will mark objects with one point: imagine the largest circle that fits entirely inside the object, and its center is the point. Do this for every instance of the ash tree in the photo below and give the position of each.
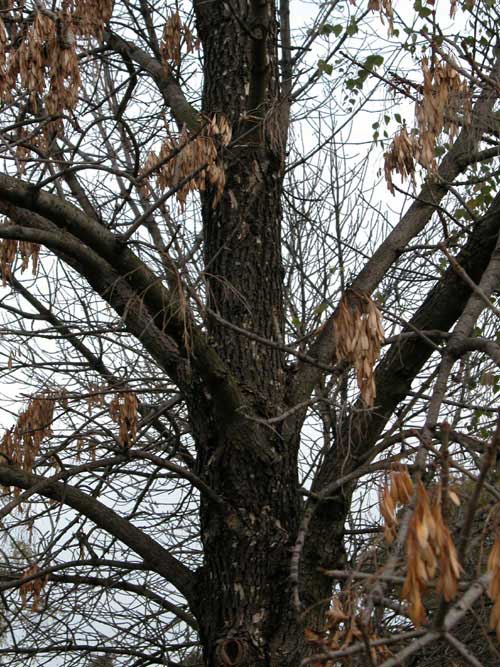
(249, 350)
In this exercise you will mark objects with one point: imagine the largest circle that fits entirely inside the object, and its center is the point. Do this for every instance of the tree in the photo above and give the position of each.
(206, 409)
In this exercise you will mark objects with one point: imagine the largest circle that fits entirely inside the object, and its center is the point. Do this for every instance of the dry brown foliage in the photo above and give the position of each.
(43, 58)
(9, 249)
(33, 425)
(32, 589)
(445, 98)
(401, 157)
(44, 61)
(90, 16)
(174, 34)
(399, 493)
(429, 551)
(385, 9)
(358, 338)
(95, 397)
(123, 411)
(343, 628)
(3, 45)
(179, 157)
(8, 252)
(21, 444)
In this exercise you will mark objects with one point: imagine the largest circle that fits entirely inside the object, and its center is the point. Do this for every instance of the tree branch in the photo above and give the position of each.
(172, 93)
(411, 224)
(394, 375)
(122, 279)
(156, 556)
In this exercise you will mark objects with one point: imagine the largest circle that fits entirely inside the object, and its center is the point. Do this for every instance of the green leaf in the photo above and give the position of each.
(374, 61)
(352, 28)
(325, 29)
(328, 29)
(324, 67)
(320, 309)
(421, 10)
(397, 118)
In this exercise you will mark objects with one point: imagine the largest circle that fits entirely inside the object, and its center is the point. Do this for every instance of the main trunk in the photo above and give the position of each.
(245, 611)
(242, 232)
(245, 606)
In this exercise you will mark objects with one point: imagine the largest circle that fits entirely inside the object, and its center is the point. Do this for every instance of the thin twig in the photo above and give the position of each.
(466, 278)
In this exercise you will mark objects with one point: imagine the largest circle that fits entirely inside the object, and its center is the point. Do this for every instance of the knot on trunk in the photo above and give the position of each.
(230, 652)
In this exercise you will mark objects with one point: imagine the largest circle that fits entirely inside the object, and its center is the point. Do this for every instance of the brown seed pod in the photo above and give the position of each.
(358, 338)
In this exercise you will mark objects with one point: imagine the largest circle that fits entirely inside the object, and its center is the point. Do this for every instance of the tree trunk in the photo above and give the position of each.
(245, 599)
(242, 232)
(245, 604)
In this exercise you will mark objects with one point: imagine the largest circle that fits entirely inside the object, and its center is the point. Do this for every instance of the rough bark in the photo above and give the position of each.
(245, 612)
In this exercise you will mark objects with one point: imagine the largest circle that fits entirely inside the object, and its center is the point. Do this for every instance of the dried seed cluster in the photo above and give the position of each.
(182, 156)
(32, 589)
(429, 551)
(401, 157)
(175, 33)
(358, 338)
(22, 443)
(9, 249)
(399, 492)
(385, 9)
(90, 16)
(95, 397)
(342, 629)
(123, 411)
(493, 568)
(44, 62)
(445, 97)
(42, 53)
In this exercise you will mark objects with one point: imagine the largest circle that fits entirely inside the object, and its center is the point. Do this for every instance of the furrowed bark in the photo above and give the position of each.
(245, 611)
